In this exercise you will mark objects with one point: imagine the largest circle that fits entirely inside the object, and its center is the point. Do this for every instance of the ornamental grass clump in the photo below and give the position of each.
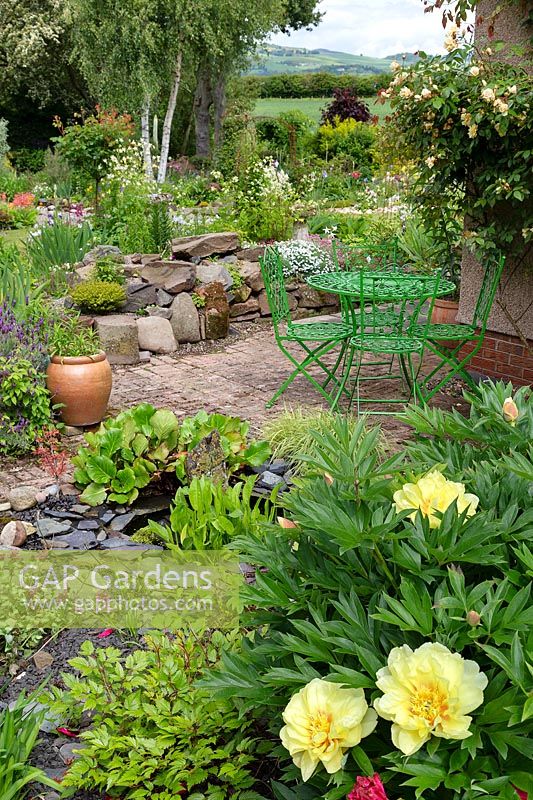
(426, 625)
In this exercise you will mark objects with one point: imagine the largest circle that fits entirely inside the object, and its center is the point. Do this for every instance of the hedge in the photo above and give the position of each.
(312, 84)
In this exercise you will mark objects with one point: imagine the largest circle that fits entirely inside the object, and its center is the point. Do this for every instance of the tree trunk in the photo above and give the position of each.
(203, 100)
(167, 124)
(145, 138)
(220, 108)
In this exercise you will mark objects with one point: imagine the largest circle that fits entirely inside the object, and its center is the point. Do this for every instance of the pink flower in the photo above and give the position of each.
(356, 175)
(368, 789)
(105, 634)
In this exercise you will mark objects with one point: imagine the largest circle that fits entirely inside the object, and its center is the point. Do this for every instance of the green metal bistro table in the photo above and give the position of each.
(383, 310)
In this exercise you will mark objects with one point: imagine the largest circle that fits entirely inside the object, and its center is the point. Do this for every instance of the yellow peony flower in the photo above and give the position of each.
(510, 410)
(322, 721)
(427, 693)
(432, 493)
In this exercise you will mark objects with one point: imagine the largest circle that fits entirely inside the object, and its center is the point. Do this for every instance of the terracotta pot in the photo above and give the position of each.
(445, 313)
(82, 384)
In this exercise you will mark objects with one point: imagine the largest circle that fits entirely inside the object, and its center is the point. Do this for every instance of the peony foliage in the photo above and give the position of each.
(430, 625)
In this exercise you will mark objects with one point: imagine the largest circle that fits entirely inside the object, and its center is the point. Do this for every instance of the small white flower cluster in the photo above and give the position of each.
(302, 258)
(126, 169)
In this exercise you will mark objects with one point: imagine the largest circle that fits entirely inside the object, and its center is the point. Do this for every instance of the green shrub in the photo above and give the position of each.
(207, 515)
(350, 138)
(160, 226)
(366, 578)
(154, 733)
(27, 159)
(97, 296)
(313, 84)
(11, 183)
(108, 270)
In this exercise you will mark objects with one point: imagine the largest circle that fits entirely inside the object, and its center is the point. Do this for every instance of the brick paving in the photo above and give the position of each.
(238, 380)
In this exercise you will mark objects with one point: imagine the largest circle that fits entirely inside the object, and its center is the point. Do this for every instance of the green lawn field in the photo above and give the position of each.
(312, 106)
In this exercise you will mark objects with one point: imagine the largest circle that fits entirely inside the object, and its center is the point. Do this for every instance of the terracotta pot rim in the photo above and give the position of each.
(74, 360)
(440, 301)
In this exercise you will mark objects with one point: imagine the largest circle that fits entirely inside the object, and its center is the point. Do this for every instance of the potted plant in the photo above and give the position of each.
(445, 308)
(78, 375)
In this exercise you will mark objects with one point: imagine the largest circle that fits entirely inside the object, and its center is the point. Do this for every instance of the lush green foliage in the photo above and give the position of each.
(16, 279)
(448, 114)
(24, 400)
(67, 337)
(232, 435)
(154, 733)
(460, 443)
(27, 159)
(136, 446)
(365, 578)
(56, 247)
(88, 146)
(314, 84)
(19, 729)
(108, 270)
(125, 454)
(95, 296)
(292, 434)
(350, 138)
(207, 515)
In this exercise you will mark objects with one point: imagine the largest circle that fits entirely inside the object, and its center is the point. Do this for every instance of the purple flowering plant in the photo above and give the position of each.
(25, 409)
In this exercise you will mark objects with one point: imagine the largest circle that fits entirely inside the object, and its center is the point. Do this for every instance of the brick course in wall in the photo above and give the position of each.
(502, 357)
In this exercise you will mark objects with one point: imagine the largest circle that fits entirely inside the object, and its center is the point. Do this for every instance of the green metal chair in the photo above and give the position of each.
(351, 257)
(397, 340)
(315, 338)
(447, 340)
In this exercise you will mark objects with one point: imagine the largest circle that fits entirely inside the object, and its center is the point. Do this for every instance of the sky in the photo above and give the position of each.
(371, 28)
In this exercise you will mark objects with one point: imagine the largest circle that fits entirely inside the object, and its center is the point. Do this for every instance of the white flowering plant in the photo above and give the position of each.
(303, 258)
(264, 198)
(465, 121)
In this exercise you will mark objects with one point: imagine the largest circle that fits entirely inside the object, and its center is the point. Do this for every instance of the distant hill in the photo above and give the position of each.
(274, 59)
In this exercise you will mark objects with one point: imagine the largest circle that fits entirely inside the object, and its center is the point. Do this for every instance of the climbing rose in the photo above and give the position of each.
(368, 789)
(427, 693)
(322, 721)
(432, 493)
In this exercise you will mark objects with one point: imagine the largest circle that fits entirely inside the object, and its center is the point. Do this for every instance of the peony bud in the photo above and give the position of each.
(473, 618)
(286, 523)
(510, 410)
(368, 789)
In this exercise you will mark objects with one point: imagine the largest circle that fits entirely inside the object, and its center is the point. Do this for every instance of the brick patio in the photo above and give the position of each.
(237, 380)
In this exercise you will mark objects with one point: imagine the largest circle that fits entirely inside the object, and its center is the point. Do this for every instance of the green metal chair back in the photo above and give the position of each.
(380, 257)
(386, 310)
(487, 292)
(272, 271)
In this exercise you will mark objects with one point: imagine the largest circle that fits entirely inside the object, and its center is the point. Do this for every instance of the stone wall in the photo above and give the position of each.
(515, 293)
(207, 284)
